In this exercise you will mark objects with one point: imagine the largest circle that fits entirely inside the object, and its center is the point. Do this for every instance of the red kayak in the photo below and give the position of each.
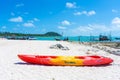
(66, 60)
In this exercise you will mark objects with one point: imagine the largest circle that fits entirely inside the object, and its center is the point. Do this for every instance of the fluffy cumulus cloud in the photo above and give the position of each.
(89, 13)
(36, 19)
(61, 27)
(96, 29)
(77, 13)
(115, 27)
(82, 30)
(65, 23)
(116, 21)
(33, 20)
(28, 24)
(16, 19)
(93, 29)
(71, 5)
(114, 11)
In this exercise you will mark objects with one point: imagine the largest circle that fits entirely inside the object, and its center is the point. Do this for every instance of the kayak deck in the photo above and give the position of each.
(66, 60)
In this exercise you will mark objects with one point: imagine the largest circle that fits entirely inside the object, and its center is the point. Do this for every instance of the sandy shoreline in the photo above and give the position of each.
(12, 68)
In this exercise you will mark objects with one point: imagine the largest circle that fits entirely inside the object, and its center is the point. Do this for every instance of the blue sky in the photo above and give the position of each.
(70, 17)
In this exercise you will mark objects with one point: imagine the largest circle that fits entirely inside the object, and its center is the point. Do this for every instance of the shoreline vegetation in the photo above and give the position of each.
(23, 36)
(20, 36)
(58, 37)
(4, 34)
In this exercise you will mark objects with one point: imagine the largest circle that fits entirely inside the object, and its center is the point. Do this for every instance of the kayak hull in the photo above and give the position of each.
(66, 60)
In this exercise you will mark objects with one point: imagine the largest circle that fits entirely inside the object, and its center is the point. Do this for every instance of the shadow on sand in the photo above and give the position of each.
(24, 63)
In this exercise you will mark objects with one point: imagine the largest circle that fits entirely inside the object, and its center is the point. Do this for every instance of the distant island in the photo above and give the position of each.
(48, 34)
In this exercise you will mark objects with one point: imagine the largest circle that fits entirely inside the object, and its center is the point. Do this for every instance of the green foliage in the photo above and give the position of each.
(21, 34)
(52, 34)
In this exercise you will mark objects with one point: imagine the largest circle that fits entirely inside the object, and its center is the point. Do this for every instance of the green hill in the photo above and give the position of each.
(52, 34)
(22, 34)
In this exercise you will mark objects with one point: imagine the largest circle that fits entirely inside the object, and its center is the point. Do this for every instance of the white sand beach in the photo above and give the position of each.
(12, 68)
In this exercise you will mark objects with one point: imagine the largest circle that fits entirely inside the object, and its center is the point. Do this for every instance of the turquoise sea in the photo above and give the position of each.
(70, 38)
(75, 38)
(62, 38)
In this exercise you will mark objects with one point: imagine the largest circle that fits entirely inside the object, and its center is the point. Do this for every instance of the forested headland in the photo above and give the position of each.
(5, 34)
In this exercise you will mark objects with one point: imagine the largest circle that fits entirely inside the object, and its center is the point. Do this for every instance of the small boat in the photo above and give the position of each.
(66, 60)
(117, 38)
(32, 38)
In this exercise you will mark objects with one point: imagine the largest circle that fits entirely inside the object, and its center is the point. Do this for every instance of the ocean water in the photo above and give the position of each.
(63, 38)
(75, 38)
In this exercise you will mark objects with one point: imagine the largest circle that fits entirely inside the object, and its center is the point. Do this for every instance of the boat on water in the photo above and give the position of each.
(66, 60)
(32, 38)
(117, 38)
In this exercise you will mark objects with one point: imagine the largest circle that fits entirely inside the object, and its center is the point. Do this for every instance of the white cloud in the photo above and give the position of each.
(77, 13)
(3, 27)
(65, 22)
(28, 24)
(84, 12)
(36, 19)
(114, 11)
(71, 5)
(16, 19)
(61, 27)
(33, 20)
(90, 13)
(19, 5)
(83, 29)
(94, 29)
(116, 21)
